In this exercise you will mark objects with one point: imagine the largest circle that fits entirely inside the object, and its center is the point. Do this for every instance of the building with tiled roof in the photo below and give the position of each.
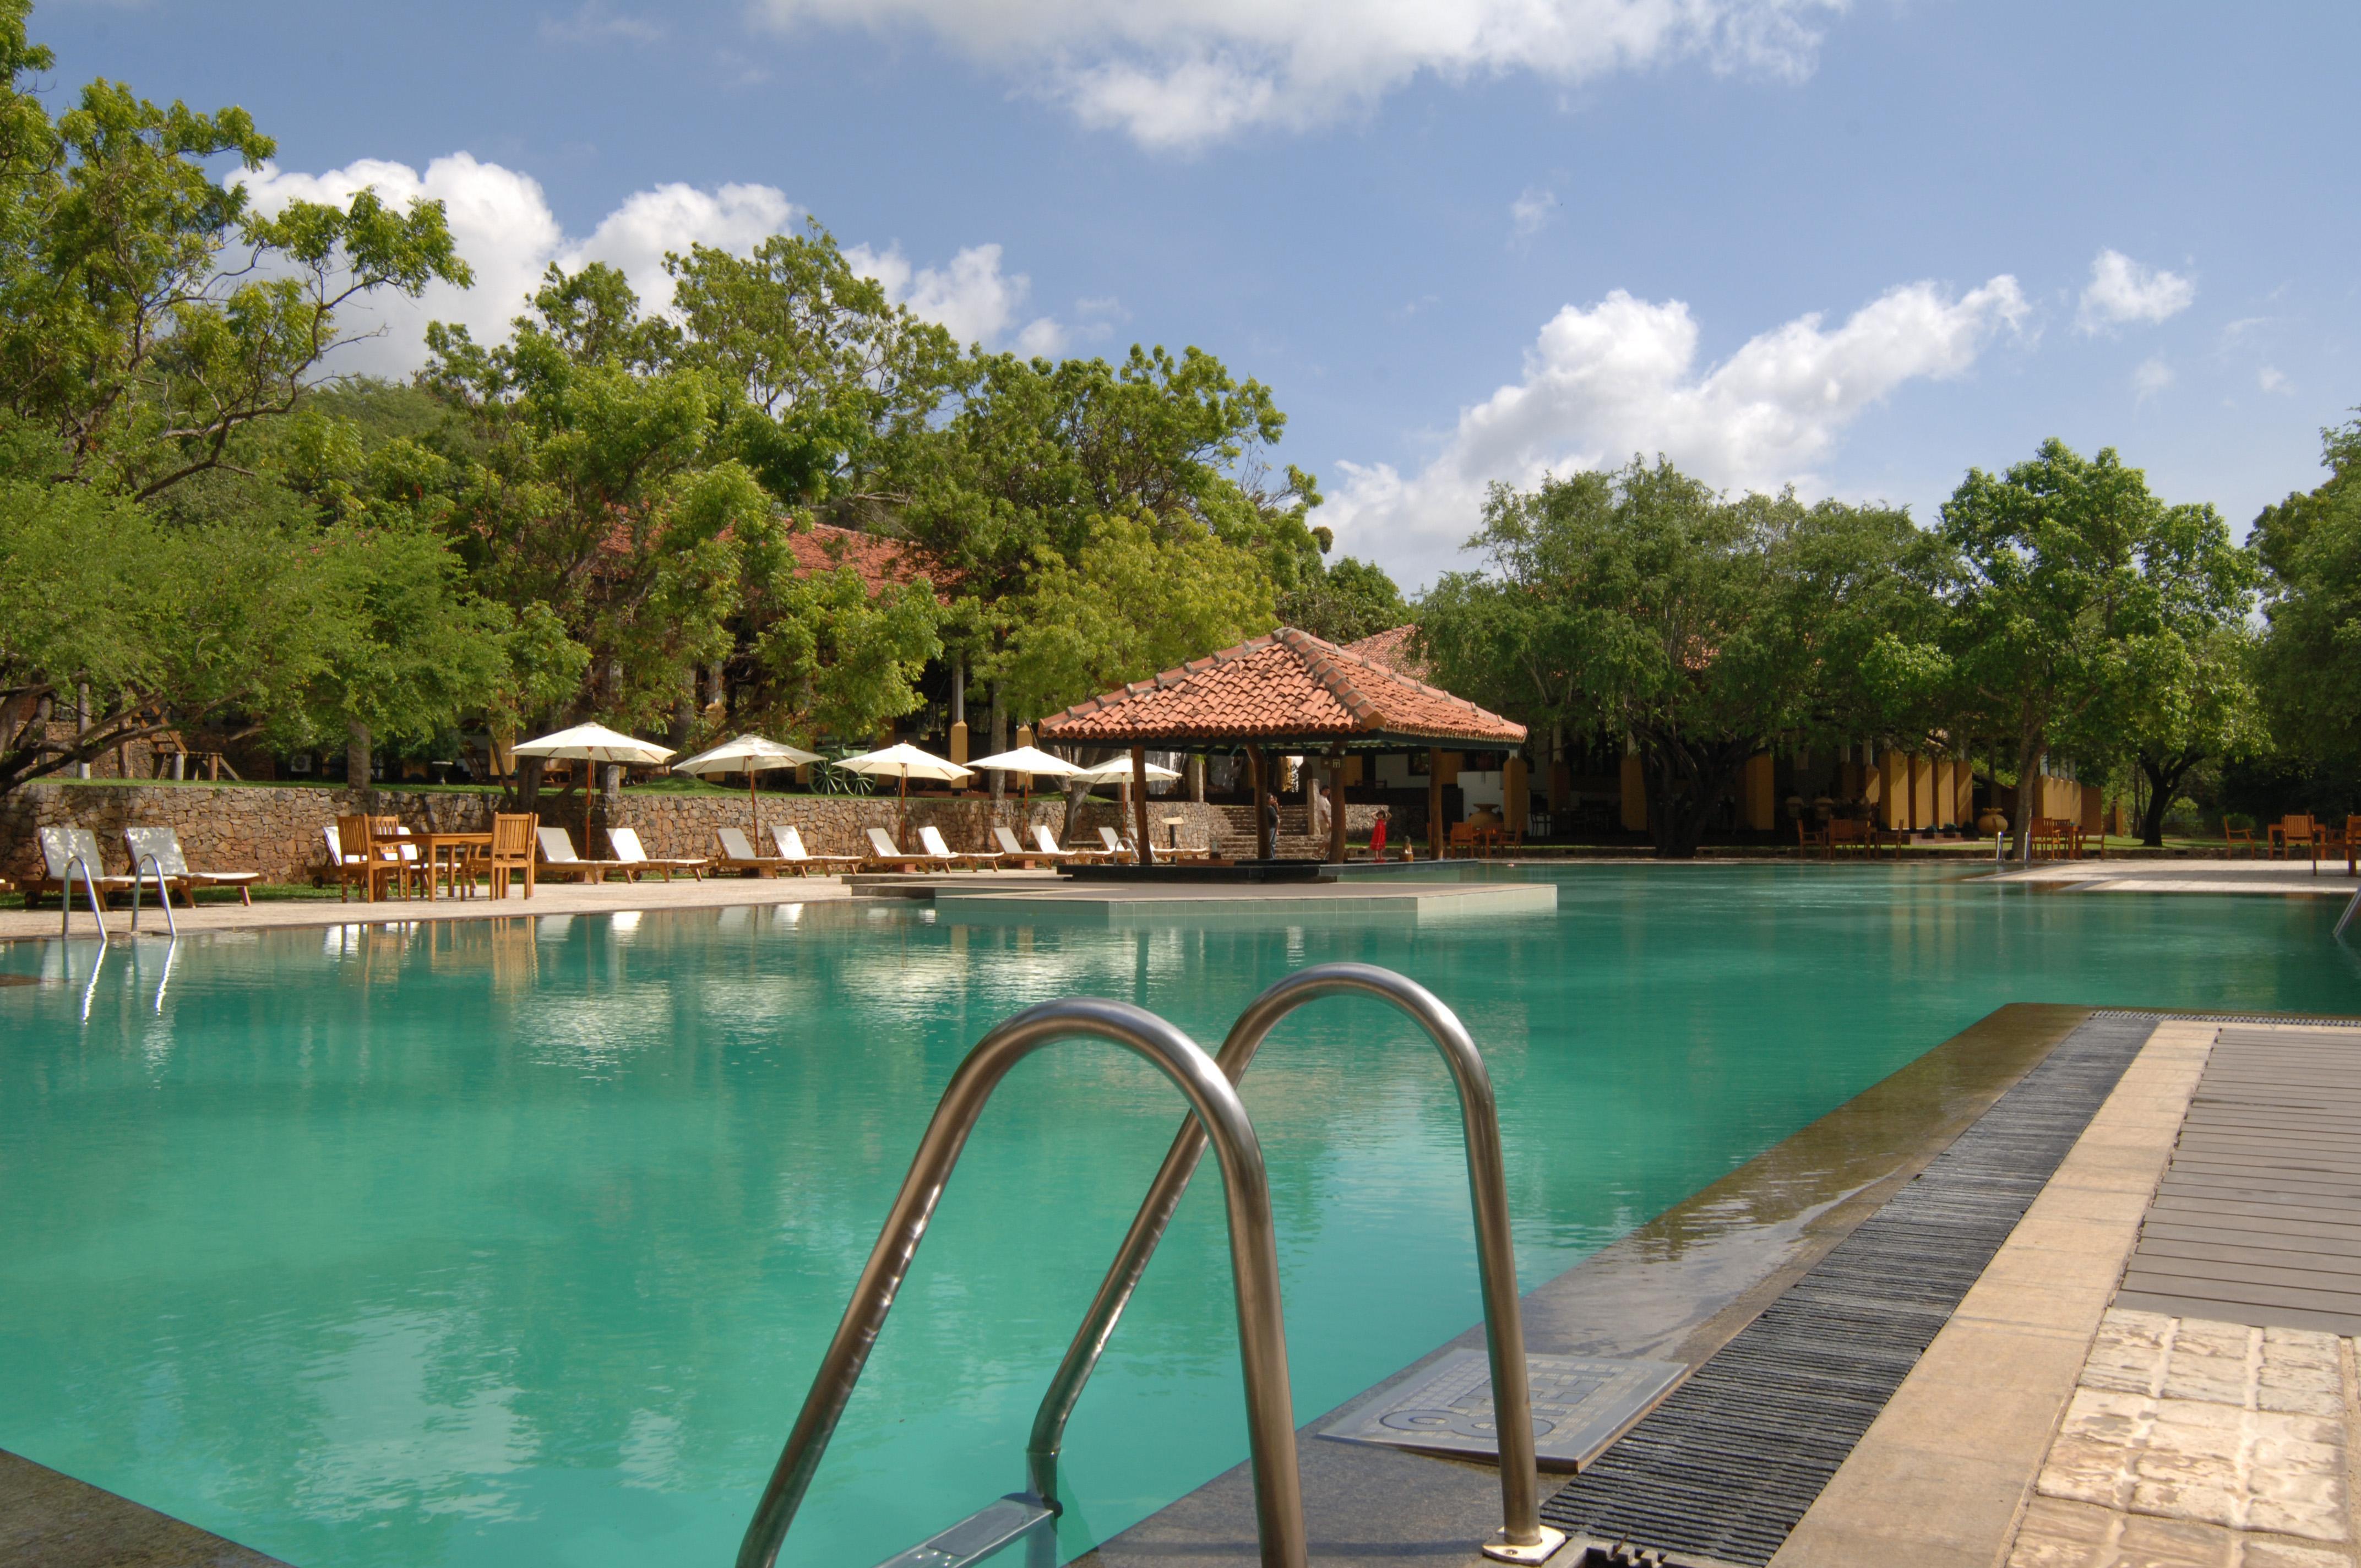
(881, 562)
(1287, 688)
(1390, 648)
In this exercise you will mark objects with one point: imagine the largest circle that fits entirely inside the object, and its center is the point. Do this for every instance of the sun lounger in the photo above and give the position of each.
(881, 852)
(635, 859)
(1014, 852)
(1049, 847)
(931, 838)
(790, 840)
(164, 844)
(1118, 849)
(738, 855)
(60, 846)
(558, 859)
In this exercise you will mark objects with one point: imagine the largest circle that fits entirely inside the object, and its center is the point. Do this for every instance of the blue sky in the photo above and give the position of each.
(1855, 246)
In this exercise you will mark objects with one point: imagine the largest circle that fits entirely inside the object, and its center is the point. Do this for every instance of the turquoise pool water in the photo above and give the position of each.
(517, 1245)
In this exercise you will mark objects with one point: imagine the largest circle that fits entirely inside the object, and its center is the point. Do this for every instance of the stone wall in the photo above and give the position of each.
(277, 830)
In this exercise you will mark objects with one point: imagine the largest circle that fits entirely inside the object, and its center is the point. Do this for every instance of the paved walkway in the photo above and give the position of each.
(2188, 876)
(2154, 1372)
(549, 898)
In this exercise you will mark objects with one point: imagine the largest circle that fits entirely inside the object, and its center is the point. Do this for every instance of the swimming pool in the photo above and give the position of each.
(517, 1243)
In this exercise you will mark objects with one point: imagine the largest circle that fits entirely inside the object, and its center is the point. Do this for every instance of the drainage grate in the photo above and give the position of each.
(1722, 1471)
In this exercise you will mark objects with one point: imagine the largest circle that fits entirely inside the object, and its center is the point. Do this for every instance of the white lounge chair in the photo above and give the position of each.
(1048, 846)
(790, 840)
(164, 844)
(1011, 850)
(625, 842)
(59, 847)
(558, 859)
(881, 852)
(930, 837)
(1118, 849)
(738, 855)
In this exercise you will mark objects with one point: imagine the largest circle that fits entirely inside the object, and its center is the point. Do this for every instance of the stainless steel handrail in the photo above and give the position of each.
(163, 893)
(65, 898)
(1254, 1261)
(1522, 1538)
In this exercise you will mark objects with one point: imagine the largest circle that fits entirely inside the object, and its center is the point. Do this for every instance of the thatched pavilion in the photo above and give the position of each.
(1286, 692)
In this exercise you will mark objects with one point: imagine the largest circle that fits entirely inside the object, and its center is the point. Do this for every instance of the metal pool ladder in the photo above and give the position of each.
(1254, 1264)
(1522, 1537)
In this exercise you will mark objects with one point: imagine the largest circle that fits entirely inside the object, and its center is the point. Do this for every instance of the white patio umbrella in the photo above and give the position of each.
(592, 743)
(1119, 772)
(1028, 761)
(904, 761)
(748, 754)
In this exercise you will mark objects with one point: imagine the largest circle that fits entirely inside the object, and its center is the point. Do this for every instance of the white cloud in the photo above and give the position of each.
(504, 228)
(970, 297)
(2152, 376)
(2122, 291)
(1618, 377)
(2269, 379)
(1531, 211)
(1177, 73)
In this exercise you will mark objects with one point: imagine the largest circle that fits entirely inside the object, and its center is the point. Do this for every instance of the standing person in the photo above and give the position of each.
(1378, 836)
(1270, 819)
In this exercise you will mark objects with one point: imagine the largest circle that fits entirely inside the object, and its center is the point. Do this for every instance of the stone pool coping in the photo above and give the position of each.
(1676, 1289)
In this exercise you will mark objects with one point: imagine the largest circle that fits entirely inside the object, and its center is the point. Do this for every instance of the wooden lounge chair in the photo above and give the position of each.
(625, 842)
(511, 850)
(790, 840)
(930, 839)
(60, 846)
(881, 853)
(1049, 850)
(738, 854)
(164, 844)
(558, 859)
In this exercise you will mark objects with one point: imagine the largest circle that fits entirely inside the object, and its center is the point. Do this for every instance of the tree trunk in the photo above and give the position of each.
(2163, 784)
(2028, 789)
(356, 754)
(1679, 816)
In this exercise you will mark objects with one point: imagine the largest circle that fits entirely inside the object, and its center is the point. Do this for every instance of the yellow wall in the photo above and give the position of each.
(1922, 793)
(1895, 808)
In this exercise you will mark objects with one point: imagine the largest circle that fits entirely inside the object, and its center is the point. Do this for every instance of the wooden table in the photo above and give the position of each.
(434, 846)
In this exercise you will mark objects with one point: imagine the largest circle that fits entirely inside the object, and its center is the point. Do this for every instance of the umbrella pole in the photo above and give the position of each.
(756, 807)
(904, 835)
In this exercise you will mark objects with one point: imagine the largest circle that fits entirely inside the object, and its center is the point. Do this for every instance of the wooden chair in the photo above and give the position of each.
(511, 851)
(2353, 846)
(1849, 833)
(2234, 837)
(1808, 838)
(351, 866)
(2290, 830)
(1461, 837)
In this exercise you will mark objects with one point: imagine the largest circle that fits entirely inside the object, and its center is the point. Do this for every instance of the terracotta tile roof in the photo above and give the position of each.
(881, 562)
(1391, 649)
(1289, 686)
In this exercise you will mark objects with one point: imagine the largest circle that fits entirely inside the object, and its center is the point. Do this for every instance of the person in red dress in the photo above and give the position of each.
(1378, 838)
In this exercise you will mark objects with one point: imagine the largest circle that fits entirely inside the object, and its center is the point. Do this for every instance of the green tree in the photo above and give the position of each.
(1643, 604)
(2310, 662)
(1138, 601)
(148, 314)
(2082, 602)
(590, 481)
(1344, 603)
(840, 661)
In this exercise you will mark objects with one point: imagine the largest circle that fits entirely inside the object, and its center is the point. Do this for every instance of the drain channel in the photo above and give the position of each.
(1722, 1470)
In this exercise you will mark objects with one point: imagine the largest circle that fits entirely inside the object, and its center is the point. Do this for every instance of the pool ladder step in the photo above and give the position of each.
(979, 1535)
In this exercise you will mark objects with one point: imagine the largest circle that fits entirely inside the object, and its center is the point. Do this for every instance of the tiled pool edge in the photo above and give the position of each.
(1677, 1288)
(51, 1521)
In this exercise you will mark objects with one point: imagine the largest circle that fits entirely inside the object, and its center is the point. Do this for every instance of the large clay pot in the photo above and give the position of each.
(1991, 823)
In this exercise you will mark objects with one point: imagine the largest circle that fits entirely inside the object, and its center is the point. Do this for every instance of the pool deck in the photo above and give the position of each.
(2294, 878)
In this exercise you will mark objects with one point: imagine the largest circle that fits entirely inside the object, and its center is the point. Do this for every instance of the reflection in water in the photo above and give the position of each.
(518, 1240)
